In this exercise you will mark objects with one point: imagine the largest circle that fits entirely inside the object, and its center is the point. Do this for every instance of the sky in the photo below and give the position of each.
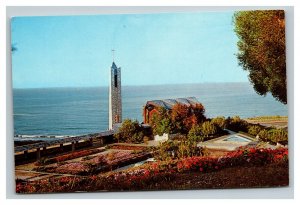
(151, 49)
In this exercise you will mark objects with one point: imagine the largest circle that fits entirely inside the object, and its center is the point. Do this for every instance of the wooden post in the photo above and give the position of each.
(73, 146)
(91, 141)
(38, 154)
(61, 147)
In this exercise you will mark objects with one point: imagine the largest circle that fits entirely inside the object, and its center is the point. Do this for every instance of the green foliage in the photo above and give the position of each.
(278, 135)
(274, 135)
(178, 120)
(263, 134)
(195, 134)
(138, 137)
(208, 128)
(254, 130)
(262, 50)
(219, 121)
(237, 124)
(165, 126)
(161, 122)
(178, 149)
(130, 132)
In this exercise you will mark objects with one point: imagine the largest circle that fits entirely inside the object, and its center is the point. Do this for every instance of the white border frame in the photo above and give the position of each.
(276, 193)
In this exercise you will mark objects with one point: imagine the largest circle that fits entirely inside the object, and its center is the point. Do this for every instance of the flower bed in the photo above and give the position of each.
(102, 162)
(128, 147)
(148, 176)
(242, 157)
(70, 156)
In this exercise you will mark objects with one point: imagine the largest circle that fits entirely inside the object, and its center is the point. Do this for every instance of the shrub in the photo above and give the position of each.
(237, 124)
(130, 132)
(208, 128)
(274, 135)
(263, 134)
(178, 149)
(278, 135)
(195, 134)
(254, 130)
(220, 122)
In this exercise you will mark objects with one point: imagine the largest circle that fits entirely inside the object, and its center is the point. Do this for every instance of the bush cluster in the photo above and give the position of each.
(204, 131)
(179, 119)
(254, 130)
(237, 124)
(274, 135)
(178, 149)
(187, 120)
(130, 132)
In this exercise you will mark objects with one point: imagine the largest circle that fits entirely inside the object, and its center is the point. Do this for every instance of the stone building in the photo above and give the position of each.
(115, 96)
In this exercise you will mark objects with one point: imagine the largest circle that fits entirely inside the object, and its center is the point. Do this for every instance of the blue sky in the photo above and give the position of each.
(75, 51)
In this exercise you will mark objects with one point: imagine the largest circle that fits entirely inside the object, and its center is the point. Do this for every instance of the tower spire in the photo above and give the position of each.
(113, 54)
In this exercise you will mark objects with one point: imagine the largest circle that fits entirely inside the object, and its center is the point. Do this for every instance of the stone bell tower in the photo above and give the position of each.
(115, 97)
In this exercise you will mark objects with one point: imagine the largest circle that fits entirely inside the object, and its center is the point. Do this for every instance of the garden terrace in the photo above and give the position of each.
(93, 163)
(242, 168)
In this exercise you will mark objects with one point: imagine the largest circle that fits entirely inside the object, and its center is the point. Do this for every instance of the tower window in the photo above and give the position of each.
(115, 78)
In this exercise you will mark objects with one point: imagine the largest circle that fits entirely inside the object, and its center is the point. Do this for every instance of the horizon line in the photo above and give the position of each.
(101, 86)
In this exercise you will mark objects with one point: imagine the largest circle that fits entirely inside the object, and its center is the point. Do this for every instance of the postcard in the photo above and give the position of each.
(160, 101)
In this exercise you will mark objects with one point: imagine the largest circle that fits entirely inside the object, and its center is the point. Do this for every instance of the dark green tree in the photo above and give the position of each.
(262, 50)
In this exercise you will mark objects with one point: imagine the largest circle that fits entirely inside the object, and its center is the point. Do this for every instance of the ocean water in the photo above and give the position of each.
(76, 111)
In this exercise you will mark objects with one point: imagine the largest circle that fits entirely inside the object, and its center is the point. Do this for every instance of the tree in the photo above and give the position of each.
(195, 134)
(161, 122)
(179, 115)
(184, 117)
(130, 131)
(208, 129)
(262, 50)
(178, 120)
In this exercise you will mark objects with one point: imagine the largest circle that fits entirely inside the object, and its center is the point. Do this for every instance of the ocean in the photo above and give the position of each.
(77, 111)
